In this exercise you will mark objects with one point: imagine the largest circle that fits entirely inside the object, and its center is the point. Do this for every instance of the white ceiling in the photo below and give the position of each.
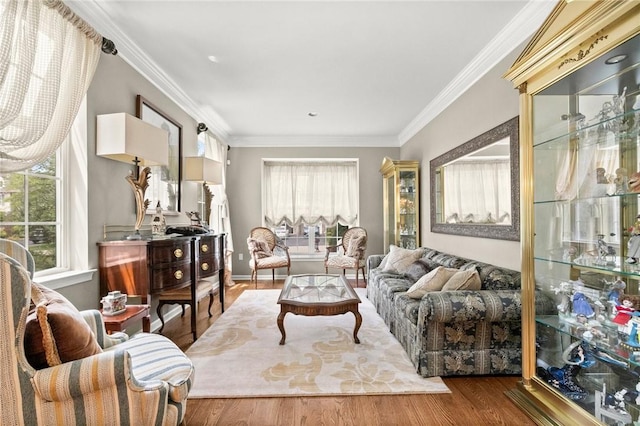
(375, 72)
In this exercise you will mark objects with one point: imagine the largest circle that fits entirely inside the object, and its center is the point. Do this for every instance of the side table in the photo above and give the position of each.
(133, 313)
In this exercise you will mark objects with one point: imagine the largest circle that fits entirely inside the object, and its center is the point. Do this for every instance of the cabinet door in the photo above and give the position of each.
(587, 244)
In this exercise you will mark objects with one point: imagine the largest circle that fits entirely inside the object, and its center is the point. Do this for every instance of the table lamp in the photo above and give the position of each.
(123, 137)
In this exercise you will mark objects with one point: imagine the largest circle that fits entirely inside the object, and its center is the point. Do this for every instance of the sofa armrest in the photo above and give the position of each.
(93, 317)
(106, 370)
(374, 260)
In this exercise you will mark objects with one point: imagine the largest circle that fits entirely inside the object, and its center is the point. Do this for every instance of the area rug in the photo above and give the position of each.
(240, 356)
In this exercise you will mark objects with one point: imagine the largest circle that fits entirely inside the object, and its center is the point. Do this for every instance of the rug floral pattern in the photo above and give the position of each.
(239, 355)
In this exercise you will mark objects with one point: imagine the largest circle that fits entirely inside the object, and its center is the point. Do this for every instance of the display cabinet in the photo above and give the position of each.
(580, 182)
(401, 195)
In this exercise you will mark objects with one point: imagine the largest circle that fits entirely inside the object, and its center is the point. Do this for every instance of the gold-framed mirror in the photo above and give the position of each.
(475, 188)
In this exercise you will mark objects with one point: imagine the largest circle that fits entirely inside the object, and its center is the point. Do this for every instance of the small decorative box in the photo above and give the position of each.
(114, 303)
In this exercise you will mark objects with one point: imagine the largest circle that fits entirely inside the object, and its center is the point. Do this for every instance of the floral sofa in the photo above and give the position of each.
(447, 333)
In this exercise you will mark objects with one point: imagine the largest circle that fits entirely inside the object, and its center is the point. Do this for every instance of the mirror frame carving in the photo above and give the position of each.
(509, 129)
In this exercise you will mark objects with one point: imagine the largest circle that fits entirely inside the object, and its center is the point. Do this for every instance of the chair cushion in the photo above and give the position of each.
(433, 281)
(269, 262)
(56, 331)
(342, 262)
(260, 247)
(357, 246)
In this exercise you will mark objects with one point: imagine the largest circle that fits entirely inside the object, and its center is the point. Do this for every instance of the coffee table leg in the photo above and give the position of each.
(358, 324)
(281, 326)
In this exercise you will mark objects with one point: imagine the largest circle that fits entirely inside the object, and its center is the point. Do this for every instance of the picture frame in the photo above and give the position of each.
(165, 181)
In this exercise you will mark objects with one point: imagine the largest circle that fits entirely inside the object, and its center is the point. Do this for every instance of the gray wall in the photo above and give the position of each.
(489, 102)
(244, 193)
(114, 89)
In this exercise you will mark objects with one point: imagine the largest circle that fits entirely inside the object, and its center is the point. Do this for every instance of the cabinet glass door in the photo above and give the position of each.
(587, 238)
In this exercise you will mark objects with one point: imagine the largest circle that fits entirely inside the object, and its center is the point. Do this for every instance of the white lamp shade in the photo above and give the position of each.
(123, 137)
(202, 169)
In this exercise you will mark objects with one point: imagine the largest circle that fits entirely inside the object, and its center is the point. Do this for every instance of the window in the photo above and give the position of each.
(29, 211)
(309, 203)
(34, 210)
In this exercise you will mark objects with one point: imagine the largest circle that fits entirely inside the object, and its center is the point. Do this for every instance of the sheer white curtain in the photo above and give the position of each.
(48, 56)
(310, 192)
(220, 218)
(478, 191)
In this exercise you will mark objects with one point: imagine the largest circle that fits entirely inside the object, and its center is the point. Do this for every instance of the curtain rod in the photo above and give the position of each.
(108, 46)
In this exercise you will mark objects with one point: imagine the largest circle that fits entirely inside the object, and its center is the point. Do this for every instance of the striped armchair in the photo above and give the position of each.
(143, 380)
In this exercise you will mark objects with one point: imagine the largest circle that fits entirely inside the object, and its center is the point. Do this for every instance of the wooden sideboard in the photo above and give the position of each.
(145, 268)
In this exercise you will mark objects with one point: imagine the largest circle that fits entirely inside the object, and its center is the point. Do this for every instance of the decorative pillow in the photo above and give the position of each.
(463, 280)
(419, 268)
(56, 332)
(260, 247)
(357, 246)
(433, 281)
(399, 259)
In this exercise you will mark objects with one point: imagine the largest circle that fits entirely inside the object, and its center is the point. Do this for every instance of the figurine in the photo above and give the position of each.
(621, 181)
(625, 310)
(158, 222)
(616, 289)
(580, 302)
(633, 246)
(604, 251)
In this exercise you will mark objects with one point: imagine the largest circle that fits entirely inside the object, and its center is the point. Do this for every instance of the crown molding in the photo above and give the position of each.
(92, 12)
(521, 27)
(314, 141)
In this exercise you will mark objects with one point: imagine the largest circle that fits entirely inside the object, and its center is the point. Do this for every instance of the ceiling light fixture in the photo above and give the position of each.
(212, 58)
(312, 114)
(615, 59)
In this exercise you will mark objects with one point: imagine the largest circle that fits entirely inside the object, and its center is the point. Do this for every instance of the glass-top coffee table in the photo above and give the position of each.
(318, 294)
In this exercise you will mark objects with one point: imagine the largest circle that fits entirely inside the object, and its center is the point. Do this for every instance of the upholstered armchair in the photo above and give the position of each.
(83, 376)
(266, 252)
(349, 253)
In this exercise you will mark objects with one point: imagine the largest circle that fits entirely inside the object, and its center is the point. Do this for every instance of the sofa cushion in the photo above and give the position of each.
(463, 280)
(399, 259)
(419, 268)
(433, 281)
(448, 260)
(55, 332)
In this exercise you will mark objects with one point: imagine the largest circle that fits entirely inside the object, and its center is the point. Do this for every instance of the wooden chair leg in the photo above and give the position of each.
(273, 277)
(210, 302)
(357, 285)
(160, 317)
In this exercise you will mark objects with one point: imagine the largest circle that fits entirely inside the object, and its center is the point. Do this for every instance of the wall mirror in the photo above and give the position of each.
(164, 183)
(475, 188)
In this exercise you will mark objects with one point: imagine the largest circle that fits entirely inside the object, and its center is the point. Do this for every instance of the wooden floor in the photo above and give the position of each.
(472, 401)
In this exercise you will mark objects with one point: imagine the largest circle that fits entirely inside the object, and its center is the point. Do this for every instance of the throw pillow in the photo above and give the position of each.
(433, 281)
(463, 280)
(55, 331)
(399, 259)
(260, 247)
(419, 268)
(357, 246)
